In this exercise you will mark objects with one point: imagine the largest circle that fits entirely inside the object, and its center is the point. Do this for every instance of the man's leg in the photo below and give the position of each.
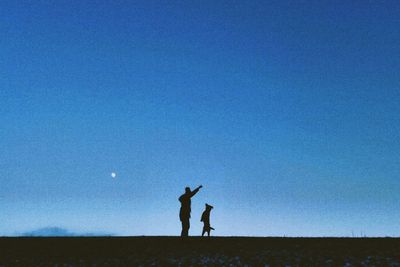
(187, 224)
(184, 231)
(185, 227)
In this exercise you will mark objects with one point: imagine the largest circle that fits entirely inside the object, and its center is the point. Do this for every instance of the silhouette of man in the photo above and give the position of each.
(184, 213)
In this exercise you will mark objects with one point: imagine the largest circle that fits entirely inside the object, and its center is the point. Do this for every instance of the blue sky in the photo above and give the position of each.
(286, 111)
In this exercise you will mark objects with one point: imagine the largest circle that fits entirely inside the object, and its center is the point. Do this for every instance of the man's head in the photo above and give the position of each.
(187, 189)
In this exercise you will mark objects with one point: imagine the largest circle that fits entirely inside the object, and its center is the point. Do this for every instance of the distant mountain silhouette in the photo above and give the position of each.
(58, 231)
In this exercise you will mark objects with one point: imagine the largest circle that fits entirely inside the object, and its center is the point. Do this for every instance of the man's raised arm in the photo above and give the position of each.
(195, 191)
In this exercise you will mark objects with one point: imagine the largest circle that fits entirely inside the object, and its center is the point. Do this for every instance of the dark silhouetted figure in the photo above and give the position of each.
(205, 218)
(184, 213)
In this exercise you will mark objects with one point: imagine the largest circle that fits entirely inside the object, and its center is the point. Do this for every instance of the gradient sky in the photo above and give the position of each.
(287, 112)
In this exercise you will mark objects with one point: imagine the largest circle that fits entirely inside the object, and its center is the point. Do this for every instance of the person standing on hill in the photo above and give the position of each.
(184, 213)
(205, 218)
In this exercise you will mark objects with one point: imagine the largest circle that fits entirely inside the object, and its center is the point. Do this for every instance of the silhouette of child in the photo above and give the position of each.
(205, 218)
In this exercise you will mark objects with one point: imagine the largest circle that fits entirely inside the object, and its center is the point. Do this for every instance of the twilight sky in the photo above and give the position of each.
(288, 113)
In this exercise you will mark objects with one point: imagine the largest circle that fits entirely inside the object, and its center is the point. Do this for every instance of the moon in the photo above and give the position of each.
(113, 175)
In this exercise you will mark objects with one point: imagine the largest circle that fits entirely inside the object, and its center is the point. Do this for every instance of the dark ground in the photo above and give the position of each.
(196, 251)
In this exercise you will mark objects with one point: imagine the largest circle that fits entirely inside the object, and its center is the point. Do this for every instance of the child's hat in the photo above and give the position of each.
(209, 206)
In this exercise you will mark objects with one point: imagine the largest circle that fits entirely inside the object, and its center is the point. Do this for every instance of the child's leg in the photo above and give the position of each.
(204, 231)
